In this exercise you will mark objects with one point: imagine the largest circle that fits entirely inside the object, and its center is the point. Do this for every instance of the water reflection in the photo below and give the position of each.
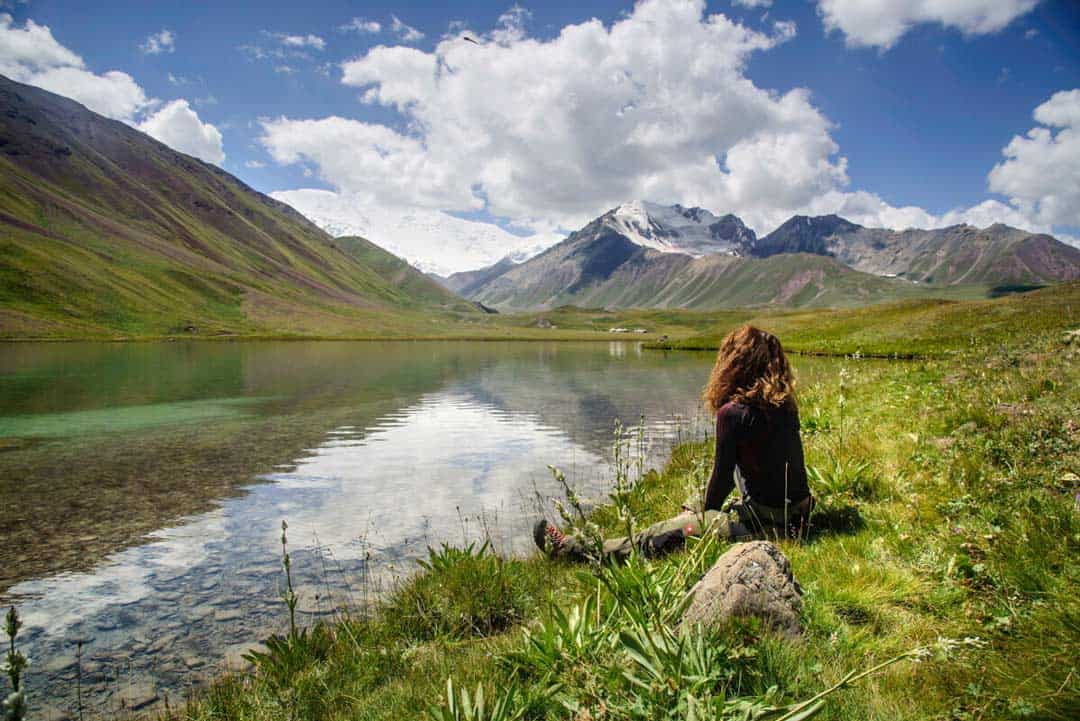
(372, 451)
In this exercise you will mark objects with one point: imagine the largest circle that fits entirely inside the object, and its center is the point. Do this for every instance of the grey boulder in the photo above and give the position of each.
(750, 580)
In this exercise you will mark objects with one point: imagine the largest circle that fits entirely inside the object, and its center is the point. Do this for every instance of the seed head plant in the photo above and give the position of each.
(287, 657)
(624, 485)
(841, 403)
(14, 706)
(290, 595)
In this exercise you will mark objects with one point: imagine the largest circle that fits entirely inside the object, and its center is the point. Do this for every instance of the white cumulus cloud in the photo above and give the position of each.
(114, 94)
(870, 210)
(30, 54)
(158, 43)
(350, 154)
(1041, 171)
(30, 49)
(549, 132)
(881, 23)
(179, 127)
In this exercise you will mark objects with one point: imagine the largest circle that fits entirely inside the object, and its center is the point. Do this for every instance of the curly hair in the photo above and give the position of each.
(751, 368)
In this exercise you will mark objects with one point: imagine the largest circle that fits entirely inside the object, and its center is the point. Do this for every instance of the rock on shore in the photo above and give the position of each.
(750, 580)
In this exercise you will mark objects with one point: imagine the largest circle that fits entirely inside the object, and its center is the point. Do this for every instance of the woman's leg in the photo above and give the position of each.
(665, 536)
(737, 524)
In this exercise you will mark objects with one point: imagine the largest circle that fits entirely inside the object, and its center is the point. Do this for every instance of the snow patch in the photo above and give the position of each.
(430, 240)
(670, 229)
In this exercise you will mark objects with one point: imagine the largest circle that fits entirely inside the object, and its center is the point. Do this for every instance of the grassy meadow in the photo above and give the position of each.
(946, 541)
(940, 579)
(922, 328)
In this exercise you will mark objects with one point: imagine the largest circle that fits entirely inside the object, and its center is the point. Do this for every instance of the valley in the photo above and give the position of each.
(648, 360)
(108, 234)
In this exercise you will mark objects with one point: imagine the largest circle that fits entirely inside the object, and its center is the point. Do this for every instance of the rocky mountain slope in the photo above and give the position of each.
(645, 255)
(600, 267)
(105, 230)
(998, 254)
(470, 281)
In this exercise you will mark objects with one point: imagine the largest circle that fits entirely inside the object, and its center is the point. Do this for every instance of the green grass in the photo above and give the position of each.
(910, 328)
(913, 328)
(948, 494)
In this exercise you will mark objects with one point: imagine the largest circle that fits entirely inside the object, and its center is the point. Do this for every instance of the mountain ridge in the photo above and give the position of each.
(623, 258)
(106, 230)
(678, 229)
(955, 254)
(611, 271)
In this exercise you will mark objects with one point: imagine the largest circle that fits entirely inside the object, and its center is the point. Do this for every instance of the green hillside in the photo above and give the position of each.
(924, 327)
(104, 231)
(416, 287)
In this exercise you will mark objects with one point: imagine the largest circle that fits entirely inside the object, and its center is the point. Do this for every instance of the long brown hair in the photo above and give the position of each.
(750, 368)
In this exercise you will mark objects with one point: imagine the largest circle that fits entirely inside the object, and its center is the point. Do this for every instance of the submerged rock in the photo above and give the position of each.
(53, 713)
(750, 580)
(234, 655)
(137, 695)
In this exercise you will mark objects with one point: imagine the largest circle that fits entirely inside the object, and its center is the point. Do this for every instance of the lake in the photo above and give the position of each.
(144, 484)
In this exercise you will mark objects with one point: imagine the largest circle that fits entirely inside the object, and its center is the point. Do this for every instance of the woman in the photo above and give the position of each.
(752, 392)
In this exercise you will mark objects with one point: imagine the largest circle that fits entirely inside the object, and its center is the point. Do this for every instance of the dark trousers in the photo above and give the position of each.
(743, 521)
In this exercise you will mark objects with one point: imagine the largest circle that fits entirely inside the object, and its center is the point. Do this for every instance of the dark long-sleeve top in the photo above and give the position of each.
(764, 444)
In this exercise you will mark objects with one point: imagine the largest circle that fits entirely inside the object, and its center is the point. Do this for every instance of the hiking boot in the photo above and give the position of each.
(549, 539)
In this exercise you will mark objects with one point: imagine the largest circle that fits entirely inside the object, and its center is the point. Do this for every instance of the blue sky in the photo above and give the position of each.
(917, 116)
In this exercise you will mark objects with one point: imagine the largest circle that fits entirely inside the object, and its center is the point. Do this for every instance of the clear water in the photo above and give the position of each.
(143, 485)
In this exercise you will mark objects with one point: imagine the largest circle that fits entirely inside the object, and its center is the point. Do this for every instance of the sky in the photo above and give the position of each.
(891, 113)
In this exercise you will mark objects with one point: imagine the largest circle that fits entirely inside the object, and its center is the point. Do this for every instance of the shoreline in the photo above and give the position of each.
(906, 329)
(592, 338)
(929, 520)
(868, 597)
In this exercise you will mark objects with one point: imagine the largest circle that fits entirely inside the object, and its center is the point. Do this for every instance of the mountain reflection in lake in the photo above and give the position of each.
(145, 484)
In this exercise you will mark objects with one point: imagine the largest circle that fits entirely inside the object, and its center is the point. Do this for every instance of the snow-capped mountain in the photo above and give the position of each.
(430, 240)
(957, 254)
(675, 229)
(643, 255)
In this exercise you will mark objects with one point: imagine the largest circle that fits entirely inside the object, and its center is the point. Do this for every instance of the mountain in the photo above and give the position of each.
(468, 281)
(675, 229)
(414, 284)
(598, 266)
(616, 237)
(433, 241)
(646, 255)
(958, 254)
(105, 230)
